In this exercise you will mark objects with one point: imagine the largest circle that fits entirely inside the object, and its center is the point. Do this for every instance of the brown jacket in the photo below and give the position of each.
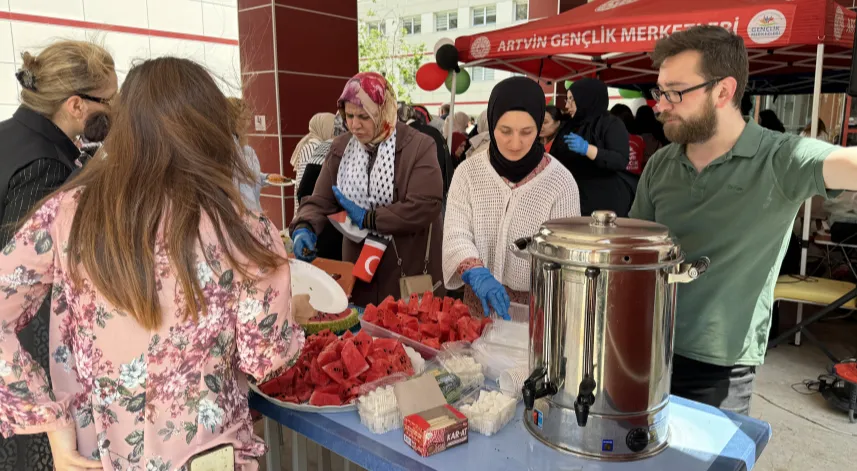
(417, 203)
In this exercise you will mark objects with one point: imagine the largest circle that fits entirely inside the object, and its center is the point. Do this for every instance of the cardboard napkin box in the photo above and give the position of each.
(431, 425)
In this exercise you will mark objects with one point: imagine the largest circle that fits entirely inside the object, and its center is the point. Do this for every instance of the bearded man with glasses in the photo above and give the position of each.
(729, 190)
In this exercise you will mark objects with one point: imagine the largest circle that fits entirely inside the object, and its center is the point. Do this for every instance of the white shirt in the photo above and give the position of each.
(484, 214)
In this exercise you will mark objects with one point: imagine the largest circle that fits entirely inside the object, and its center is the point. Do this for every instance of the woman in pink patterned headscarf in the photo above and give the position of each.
(386, 176)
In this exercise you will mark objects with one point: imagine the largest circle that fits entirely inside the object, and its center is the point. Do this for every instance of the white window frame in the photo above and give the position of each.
(483, 12)
(380, 25)
(482, 74)
(452, 14)
(522, 3)
(415, 24)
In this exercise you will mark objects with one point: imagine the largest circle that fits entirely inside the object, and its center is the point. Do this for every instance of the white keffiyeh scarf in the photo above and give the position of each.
(370, 190)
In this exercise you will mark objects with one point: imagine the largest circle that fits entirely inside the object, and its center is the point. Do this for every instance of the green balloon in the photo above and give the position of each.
(462, 82)
(624, 93)
(568, 84)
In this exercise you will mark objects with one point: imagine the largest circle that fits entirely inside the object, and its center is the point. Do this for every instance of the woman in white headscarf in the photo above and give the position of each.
(482, 139)
(459, 122)
(320, 130)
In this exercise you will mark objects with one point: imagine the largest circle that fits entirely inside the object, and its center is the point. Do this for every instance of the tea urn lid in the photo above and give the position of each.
(603, 240)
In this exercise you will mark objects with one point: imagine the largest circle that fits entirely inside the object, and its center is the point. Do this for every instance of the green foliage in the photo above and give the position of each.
(392, 57)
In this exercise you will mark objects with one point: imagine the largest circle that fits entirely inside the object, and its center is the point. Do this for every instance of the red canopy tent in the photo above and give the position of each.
(611, 39)
(795, 46)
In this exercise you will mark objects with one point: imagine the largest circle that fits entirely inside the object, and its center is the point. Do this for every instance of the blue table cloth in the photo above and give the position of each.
(702, 438)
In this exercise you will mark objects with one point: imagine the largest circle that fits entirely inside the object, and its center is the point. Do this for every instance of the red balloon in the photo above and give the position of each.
(430, 76)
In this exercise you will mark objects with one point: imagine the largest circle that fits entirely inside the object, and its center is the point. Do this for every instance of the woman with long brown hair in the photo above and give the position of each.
(166, 290)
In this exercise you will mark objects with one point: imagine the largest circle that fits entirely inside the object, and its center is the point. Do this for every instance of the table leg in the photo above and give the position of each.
(848, 261)
(299, 454)
(346, 466)
(798, 321)
(323, 458)
(273, 438)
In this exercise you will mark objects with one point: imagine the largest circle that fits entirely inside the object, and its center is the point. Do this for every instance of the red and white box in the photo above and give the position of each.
(431, 425)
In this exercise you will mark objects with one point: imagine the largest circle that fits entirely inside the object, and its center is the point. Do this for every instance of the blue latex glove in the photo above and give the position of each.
(576, 143)
(489, 291)
(304, 241)
(355, 212)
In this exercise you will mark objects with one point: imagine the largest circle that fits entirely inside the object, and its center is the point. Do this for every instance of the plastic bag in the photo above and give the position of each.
(458, 358)
(451, 385)
(377, 405)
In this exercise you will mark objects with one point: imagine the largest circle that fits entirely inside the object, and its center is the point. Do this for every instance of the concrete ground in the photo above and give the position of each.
(807, 433)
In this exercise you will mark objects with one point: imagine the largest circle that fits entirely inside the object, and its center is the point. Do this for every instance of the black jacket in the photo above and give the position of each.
(604, 182)
(444, 159)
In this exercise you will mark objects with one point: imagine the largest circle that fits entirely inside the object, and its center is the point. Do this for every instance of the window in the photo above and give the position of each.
(377, 26)
(412, 25)
(446, 21)
(522, 10)
(481, 74)
(484, 16)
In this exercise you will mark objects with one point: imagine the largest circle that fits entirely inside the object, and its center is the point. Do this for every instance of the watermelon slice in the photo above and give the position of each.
(388, 346)
(371, 314)
(390, 319)
(413, 334)
(413, 304)
(430, 330)
(330, 353)
(354, 362)
(402, 307)
(401, 362)
(445, 321)
(289, 398)
(321, 399)
(409, 322)
(348, 335)
(426, 302)
(303, 391)
(336, 371)
(459, 309)
(447, 304)
(337, 323)
(387, 304)
(332, 388)
(432, 342)
(363, 342)
(316, 375)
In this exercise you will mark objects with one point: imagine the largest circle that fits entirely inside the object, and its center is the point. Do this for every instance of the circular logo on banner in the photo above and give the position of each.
(838, 23)
(767, 26)
(611, 4)
(480, 47)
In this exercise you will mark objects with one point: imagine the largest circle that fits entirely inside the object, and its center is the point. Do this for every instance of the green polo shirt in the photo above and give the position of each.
(738, 211)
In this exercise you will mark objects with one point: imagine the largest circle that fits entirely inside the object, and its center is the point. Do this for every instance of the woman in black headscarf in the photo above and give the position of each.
(593, 145)
(499, 195)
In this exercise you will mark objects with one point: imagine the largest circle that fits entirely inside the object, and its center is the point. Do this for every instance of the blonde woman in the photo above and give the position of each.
(321, 129)
(61, 88)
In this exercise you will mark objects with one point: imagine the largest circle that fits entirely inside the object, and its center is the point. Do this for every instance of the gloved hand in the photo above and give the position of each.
(576, 143)
(355, 212)
(489, 291)
(304, 241)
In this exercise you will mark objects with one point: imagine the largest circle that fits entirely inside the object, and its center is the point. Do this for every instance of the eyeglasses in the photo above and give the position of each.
(675, 96)
(103, 101)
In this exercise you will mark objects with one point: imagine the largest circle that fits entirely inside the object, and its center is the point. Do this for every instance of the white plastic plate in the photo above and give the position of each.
(324, 292)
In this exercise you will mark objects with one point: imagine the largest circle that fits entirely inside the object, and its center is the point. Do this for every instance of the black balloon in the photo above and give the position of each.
(447, 57)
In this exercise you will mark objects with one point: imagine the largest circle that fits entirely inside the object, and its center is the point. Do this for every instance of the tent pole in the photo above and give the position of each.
(451, 113)
(807, 205)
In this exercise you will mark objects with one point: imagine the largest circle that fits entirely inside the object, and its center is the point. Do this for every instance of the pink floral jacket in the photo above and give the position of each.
(141, 400)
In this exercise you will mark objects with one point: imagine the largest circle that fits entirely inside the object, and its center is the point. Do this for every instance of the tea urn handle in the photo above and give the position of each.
(690, 271)
(519, 247)
(586, 389)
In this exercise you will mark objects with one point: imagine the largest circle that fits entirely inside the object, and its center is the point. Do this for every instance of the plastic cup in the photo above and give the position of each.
(512, 380)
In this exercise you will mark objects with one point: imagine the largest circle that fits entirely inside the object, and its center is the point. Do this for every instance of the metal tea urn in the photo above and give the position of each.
(601, 334)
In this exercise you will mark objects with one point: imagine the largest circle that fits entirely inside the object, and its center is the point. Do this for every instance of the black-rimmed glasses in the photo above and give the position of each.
(103, 101)
(675, 96)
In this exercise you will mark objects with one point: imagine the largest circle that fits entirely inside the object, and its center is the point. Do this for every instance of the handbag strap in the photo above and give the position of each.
(428, 252)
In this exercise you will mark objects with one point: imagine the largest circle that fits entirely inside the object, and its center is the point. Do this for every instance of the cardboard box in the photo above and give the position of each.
(431, 425)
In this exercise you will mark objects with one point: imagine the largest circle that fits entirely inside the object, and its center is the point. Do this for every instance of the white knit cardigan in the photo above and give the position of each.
(484, 215)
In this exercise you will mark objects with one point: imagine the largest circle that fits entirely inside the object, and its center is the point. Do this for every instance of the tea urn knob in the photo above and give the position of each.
(603, 219)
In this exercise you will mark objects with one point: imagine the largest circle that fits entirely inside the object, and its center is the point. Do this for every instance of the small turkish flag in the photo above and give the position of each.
(370, 258)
